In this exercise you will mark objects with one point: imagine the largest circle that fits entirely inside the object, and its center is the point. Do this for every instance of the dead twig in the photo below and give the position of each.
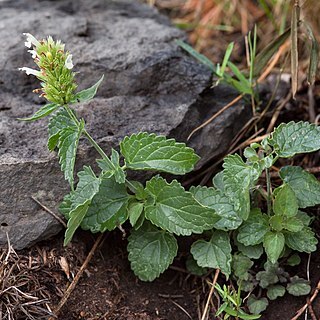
(216, 275)
(309, 302)
(49, 211)
(78, 276)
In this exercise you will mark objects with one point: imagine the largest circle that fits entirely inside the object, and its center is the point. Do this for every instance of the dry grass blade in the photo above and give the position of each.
(294, 46)
(20, 291)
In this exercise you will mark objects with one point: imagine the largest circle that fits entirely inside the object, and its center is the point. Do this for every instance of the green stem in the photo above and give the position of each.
(269, 192)
(94, 143)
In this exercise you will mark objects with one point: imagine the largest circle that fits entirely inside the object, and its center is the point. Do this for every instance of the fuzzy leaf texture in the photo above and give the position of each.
(42, 112)
(77, 203)
(304, 184)
(68, 145)
(273, 243)
(298, 286)
(256, 305)
(216, 200)
(172, 208)
(144, 151)
(302, 241)
(215, 253)
(108, 207)
(151, 251)
(238, 177)
(252, 231)
(58, 122)
(87, 94)
(285, 202)
(295, 137)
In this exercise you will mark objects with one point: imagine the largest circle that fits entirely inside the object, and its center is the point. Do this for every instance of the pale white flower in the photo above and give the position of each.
(68, 63)
(29, 71)
(31, 40)
(33, 53)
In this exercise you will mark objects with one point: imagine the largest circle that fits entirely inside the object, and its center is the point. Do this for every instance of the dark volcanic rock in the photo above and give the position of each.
(150, 85)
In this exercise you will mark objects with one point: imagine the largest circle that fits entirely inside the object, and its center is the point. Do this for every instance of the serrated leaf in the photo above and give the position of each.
(275, 291)
(256, 305)
(151, 251)
(273, 243)
(112, 167)
(304, 184)
(293, 138)
(218, 181)
(42, 112)
(172, 208)
(108, 207)
(276, 223)
(241, 265)
(302, 241)
(144, 151)
(215, 253)
(285, 202)
(216, 200)
(135, 209)
(194, 268)
(68, 145)
(87, 94)
(304, 218)
(252, 252)
(253, 230)
(298, 286)
(58, 122)
(266, 278)
(293, 224)
(237, 179)
(79, 200)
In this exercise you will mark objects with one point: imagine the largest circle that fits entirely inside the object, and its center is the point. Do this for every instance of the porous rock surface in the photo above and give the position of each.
(150, 85)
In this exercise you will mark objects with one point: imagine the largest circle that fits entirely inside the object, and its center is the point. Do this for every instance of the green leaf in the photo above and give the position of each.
(252, 252)
(113, 167)
(68, 145)
(151, 251)
(273, 243)
(304, 218)
(135, 210)
(108, 208)
(256, 305)
(79, 201)
(215, 253)
(293, 138)
(59, 121)
(241, 265)
(314, 54)
(243, 84)
(275, 291)
(293, 224)
(200, 57)
(216, 200)
(285, 202)
(144, 151)
(87, 94)
(252, 231)
(238, 177)
(304, 184)
(194, 268)
(266, 278)
(302, 241)
(218, 181)
(298, 286)
(266, 54)
(172, 208)
(42, 112)
(294, 260)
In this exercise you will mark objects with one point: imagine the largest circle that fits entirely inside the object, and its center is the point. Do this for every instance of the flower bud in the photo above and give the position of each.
(57, 79)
